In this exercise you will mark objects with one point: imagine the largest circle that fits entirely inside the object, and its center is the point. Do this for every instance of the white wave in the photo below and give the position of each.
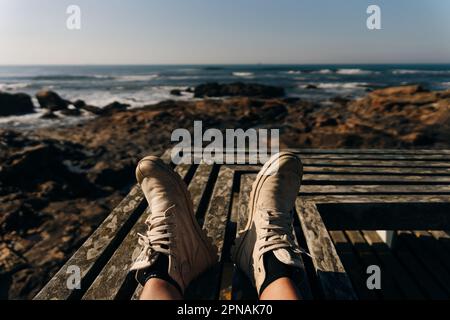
(343, 85)
(294, 72)
(34, 121)
(323, 71)
(135, 98)
(407, 71)
(243, 74)
(446, 84)
(354, 72)
(13, 86)
(135, 78)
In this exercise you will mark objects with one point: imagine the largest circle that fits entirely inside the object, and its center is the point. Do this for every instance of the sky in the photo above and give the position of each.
(224, 32)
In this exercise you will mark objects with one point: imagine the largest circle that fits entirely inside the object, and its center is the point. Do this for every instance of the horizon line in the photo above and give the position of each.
(222, 64)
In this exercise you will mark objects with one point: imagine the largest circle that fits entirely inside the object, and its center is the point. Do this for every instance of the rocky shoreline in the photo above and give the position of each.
(57, 184)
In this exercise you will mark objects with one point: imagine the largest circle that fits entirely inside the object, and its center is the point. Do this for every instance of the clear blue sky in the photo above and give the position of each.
(223, 31)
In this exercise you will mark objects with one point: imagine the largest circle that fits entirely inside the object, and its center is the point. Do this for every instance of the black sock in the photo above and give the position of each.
(275, 270)
(159, 270)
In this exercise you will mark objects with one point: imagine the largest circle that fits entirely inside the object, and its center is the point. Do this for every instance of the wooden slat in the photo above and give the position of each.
(322, 170)
(376, 163)
(243, 288)
(330, 271)
(369, 151)
(207, 286)
(97, 249)
(368, 258)
(373, 179)
(443, 237)
(423, 279)
(355, 270)
(374, 189)
(374, 171)
(435, 248)
(435, 269)
(379, 216)
(364, 199)
(390, 263)
(312, 162)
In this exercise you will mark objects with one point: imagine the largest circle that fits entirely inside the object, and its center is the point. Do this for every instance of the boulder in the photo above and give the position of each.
(114, 107)
(95, 110)
(15, 104)
(49, 115)
(175, 92)
(311, 87)
(79, 104)
(51, 100)
(238, 89)
(71, 112)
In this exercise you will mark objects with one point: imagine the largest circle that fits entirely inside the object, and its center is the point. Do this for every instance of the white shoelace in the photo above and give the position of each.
(274, 235)
(158, 237)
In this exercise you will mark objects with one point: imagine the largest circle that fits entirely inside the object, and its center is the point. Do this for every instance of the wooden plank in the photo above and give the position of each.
(312, 162)
(97, 249)
(376, 163)
(369, 199)
(390, 263)
(115, 280)
(308, 151)
(115, 277)
(375, 189)
(355, 270)
(382, 216)
(330, 271)
(358, 170)
(199, 183)
(376, 171)
(207, 286)
(435, 248)
(423, 279)
(443, 237)
(373, 179)
(393, 157)
(368, 151)
(431, 263)
(242, 288)
(244, 199)
(368, 258)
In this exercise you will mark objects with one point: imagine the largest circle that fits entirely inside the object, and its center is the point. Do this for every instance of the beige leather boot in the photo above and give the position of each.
(270, 221)
(172, 227)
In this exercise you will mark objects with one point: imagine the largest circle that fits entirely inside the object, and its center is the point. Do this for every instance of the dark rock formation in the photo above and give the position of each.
(175, 92)
(114, 107)
(15, 104)
(49, 115)
(238, 89)
(51, 100)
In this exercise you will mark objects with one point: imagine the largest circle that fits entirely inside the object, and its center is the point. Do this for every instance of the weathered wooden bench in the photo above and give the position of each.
(346, 198)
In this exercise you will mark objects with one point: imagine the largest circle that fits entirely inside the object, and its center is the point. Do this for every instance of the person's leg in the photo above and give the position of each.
(157, 289)
(281, 289)
(267, 250)
(175, 249)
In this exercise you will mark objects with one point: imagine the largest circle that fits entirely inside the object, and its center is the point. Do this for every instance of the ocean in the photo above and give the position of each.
(142, 85)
